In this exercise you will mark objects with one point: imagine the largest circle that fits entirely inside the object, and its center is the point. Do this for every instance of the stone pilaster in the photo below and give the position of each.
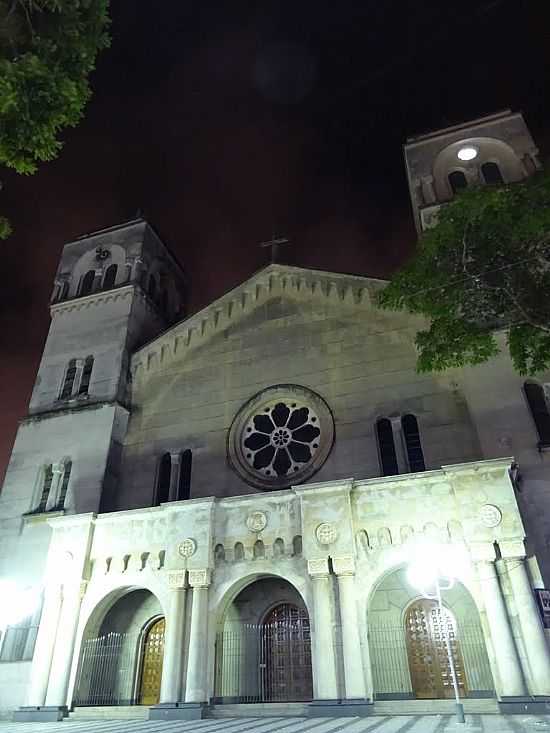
(195, 690)
(171, 686)
(344, 567)
(44, 647)
(324, 659)
(175, 468)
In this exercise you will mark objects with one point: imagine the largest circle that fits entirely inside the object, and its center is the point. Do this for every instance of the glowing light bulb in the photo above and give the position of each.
(467, 153)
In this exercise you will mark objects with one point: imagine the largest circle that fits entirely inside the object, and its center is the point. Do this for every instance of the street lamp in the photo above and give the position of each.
(430, 579)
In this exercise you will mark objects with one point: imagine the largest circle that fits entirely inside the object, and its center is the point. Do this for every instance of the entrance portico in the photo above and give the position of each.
(295, 596)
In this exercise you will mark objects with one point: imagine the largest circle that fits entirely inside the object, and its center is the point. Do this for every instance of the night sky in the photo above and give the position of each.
(226, 122)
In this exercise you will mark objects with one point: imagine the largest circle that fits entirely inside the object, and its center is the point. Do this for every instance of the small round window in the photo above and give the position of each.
(281, 437)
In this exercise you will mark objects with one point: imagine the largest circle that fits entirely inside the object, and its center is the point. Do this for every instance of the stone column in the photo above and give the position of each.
(170, 690)
(534, 638)
(506, 656)
(175, 468)
(353, 667)
(195, 689)
(323, 657)
(44, 647)
(64, 646)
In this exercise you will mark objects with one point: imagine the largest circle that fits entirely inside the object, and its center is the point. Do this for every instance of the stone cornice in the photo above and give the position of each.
(351, 290)
(102, 297)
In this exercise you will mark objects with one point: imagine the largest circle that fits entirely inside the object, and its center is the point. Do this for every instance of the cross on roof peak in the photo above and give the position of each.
(275, 243)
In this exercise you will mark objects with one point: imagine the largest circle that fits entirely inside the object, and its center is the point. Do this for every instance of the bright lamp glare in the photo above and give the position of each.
(422, 575)
(467, 153)
(16, 603)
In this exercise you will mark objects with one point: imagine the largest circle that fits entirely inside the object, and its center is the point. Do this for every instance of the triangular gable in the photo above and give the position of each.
(272, 281)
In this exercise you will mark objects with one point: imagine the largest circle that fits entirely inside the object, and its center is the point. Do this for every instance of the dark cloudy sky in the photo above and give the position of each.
(227, 121)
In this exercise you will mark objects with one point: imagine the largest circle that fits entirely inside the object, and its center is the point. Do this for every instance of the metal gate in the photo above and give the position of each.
(269, 662)
(107, 670)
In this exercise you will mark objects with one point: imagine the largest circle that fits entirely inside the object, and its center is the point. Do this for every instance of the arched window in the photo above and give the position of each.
(64, 484)
(184, 488)
(64, 291)
(411, 434)
(87, 283)
(152, 287)
(538, 405)
(491, 174)
(86, 375)
(110, 277)
(238, 551)
(68, 383)
(457, 181)
(386, 447)
(163, 484)
(258, 551)
(47, 478)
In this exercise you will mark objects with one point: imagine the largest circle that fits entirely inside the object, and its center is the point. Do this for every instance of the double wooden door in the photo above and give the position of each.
(425, 630)
(151, 664)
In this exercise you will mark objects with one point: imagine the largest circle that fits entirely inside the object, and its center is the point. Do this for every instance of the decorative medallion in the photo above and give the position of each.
(281, 437)
(326, 533)
(187, 547)
(490, 515)
(256, 521)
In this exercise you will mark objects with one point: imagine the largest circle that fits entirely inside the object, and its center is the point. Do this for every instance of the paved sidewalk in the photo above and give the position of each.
(374, 724)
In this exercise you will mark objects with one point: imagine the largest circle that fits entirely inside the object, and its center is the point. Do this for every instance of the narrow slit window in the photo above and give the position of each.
(68, 383)
(165, 472)
(110, 277)
(47, 479)
(64, 291)
(491, 174)
(386, 447)
(65, 484)
(87, 283)
(538, 405)
(411, 434)
(86, 376)
(184, 489)
(457, 181)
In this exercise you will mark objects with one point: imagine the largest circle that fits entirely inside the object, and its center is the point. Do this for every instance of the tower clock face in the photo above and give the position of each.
(281, 437)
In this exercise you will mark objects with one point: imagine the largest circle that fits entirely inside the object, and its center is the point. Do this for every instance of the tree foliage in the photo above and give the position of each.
(484, 267)
(47, 50)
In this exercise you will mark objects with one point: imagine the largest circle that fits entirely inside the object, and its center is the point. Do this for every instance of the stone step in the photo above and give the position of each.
(482, 706)
(260, 710)
(110, 712)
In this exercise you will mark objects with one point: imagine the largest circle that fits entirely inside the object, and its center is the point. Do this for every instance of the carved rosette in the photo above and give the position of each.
(326, 533)
(187, 547)
(256, 521)
(490, 515)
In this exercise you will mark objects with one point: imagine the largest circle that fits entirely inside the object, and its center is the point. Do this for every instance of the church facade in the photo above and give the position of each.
(228, 508)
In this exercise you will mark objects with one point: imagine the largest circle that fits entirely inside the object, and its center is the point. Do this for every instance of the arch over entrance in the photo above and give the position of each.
(407, 646)
(263, 646)
(120, 659)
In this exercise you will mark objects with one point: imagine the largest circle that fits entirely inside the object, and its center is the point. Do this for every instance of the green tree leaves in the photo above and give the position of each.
(484, 267)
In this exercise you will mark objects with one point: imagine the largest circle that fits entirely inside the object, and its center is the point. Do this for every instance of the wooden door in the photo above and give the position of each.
(425, 630)
(286, 655)
(151, 664)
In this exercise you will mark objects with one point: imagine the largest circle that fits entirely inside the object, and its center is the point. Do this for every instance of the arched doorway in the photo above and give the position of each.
(263, 646)
(121, 652)
(407, 647)
(426, 629)
(151, 663)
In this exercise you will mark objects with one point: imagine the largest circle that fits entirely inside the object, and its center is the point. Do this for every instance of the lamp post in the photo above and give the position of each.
(426, 577)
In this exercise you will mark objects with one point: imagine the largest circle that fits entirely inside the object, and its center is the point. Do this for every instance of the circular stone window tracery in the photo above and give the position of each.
(282, 436)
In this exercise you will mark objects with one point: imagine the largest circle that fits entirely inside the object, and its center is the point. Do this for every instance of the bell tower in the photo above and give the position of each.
(490, 150)
(114, 290)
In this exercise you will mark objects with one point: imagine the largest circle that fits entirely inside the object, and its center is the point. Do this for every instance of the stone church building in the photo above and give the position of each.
(224, 509)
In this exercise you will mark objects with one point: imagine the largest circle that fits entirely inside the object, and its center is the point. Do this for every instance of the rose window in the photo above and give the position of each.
(281, 437)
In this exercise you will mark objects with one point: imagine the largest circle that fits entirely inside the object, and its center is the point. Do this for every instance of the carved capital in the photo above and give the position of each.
(199, 578)
(344, 565)
(482, 552)
(318, 568)
(512, 550)
(176, 580)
